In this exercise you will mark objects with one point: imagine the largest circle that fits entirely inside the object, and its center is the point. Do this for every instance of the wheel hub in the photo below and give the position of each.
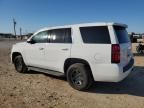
(77, 77)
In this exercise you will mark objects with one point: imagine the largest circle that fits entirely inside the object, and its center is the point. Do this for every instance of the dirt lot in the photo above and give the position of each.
(37, 90)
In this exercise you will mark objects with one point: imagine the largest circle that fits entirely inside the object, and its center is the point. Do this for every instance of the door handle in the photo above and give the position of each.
(65, 49)
(41, 48)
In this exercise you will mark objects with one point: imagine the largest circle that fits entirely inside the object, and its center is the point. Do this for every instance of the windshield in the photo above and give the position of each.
(122, 34)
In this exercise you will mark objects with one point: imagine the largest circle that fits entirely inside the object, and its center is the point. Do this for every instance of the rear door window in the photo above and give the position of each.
(121, 34)
(92, 35)
(60, 36)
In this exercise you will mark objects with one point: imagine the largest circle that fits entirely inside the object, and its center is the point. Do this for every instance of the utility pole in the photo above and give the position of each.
(21, 33)
(14, 25)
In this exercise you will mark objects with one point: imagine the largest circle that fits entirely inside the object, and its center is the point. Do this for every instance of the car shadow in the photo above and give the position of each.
(132, 85)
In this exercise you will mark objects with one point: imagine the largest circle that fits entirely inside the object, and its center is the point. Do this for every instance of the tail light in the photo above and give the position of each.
(115, 57)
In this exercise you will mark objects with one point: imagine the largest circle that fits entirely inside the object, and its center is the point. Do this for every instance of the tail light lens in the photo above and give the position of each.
(115, 53)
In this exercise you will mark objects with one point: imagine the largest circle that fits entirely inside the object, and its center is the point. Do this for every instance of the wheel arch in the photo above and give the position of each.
(14, 54)
(68, 62)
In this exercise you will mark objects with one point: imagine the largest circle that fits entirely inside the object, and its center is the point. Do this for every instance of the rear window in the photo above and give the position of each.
(122, 34)
(99, 34)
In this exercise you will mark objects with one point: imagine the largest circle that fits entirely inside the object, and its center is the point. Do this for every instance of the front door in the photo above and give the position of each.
(35, 49)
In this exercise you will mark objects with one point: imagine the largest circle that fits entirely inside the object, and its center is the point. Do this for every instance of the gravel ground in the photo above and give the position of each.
(37, 90)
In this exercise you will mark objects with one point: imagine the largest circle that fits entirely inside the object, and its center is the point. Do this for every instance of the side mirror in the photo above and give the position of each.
(31, 41)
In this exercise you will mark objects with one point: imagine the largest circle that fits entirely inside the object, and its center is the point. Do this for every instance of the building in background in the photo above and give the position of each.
(136, 37)
(11, 36)
(6, 35)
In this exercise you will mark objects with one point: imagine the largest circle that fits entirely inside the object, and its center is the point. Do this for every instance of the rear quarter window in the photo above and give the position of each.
(122, 34)
(92, 35)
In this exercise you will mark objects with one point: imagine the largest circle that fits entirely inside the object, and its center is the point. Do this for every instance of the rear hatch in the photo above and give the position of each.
(125, 45)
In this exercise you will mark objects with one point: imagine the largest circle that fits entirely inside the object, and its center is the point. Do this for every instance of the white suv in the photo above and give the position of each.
(82, 52)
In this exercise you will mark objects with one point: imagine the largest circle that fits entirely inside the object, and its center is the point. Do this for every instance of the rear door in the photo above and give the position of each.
(125, 45)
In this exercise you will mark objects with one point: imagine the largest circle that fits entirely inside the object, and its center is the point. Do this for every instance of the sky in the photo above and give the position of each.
(32, 15)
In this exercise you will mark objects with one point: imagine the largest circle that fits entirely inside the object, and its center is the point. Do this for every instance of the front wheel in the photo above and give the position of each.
(78, 76)
(19, 64)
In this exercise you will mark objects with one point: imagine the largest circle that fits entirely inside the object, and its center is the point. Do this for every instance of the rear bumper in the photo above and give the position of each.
(128, 66)
(111, 72)
(122, 76)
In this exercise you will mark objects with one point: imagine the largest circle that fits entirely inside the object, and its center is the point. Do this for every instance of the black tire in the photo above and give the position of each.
(20, 65)
(79, 77)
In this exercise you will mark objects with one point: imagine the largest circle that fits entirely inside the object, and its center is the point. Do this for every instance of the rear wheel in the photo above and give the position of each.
(19, 64)
(78, 76)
